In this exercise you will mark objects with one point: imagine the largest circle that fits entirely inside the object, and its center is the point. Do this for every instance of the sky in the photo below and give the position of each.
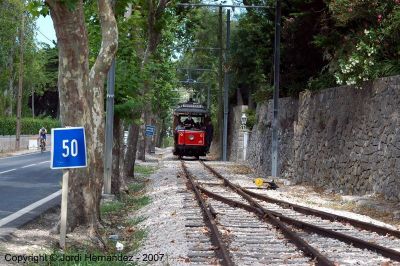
(47, 34)
(45, 31)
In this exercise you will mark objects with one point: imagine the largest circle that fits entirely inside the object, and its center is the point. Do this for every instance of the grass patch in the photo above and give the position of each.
(115, 221)
(136, 187)
(138, 202)
(136, 239)
(144, 170)
(111, 207)
(135, 221)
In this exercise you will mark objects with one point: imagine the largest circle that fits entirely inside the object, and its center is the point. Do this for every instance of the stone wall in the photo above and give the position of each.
(259, 150)
(348, 138)
(7, 143)
(235, 136)
(343, 138)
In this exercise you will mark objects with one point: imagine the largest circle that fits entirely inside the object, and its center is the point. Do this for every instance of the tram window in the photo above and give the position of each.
(196, 122)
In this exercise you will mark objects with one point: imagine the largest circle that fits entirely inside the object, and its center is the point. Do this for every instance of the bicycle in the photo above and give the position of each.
(42, 145)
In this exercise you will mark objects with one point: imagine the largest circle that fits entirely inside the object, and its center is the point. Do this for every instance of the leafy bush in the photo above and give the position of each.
(251, 118)
(168, 142)
(29, 126)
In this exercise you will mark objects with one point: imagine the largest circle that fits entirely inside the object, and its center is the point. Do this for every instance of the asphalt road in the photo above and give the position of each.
(26, 179)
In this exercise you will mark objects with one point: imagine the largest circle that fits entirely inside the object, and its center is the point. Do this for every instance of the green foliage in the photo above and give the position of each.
(37, 76)
(369, 33)
(262, 94)
(199, 28)
(168, 142)
(137, 238)
(359, 65)
(136, 187)
(252, 49)
(37, 8)
(251, 118)
(111, 207)
(139, 202)
(135, 221)
(324, 80)
(29, 126)
(144, 170)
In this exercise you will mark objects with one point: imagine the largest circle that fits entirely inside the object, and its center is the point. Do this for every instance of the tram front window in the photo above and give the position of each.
(192, 122)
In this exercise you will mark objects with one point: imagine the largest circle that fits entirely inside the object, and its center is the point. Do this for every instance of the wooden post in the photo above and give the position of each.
(64, 202)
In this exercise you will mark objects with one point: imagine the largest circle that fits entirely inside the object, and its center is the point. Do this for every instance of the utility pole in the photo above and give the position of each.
(226, 86)
(220, 81)
(110, 119)
(21, 76)
(208, 97)
(33, 102)
(109, 128)
(274, 157)
(224, 115)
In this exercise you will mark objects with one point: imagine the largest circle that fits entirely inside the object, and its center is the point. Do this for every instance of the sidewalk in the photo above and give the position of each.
(20, 152)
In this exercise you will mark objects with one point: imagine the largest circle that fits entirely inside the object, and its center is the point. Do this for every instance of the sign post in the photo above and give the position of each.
(64, 201)
(150, 130)
(68, 151)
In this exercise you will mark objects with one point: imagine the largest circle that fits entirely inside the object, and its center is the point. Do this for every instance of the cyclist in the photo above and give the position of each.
(42, 137)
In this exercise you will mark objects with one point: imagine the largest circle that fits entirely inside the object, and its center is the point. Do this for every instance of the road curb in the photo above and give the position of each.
(27, 214)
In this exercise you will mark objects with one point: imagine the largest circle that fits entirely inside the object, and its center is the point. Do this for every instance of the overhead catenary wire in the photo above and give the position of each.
(275, 142)
(45, 36)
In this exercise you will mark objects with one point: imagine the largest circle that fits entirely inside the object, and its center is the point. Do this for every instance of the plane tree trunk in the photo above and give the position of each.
(81, 93)
(118, 184)
(130, 154)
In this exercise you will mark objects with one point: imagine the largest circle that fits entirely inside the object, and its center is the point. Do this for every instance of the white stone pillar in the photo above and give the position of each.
(245, 142)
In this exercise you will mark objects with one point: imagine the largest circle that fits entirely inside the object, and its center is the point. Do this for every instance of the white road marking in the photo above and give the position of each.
(26, 166)
(8, 171)
(29, 165)
(29, 208)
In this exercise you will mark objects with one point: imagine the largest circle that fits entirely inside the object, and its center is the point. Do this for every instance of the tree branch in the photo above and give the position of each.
(109, 41)
(161, 7)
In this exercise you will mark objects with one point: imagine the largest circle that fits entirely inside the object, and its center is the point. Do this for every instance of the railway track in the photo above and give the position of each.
(252, 229)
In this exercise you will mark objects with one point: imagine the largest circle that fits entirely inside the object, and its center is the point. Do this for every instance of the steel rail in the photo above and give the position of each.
(222, 250)
(270, 218)
(325, 215)
(267, 216)
(387, 252)
(390, 253)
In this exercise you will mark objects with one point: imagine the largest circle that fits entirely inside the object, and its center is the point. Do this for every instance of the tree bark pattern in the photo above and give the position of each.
(117, 181)
(81, 93)
(130, 154)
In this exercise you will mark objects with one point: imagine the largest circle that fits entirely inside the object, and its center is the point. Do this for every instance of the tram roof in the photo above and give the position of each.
(191, 108)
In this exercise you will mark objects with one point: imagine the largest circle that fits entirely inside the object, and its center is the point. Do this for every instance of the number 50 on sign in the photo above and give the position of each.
(68, 148)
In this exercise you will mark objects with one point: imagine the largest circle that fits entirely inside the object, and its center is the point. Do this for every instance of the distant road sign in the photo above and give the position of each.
(68, 148)
(150, 130)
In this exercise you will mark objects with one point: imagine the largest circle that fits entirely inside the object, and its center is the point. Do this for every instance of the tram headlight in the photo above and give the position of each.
(191, 137)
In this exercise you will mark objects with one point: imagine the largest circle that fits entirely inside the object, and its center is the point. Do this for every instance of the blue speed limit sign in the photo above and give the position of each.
(68, 148)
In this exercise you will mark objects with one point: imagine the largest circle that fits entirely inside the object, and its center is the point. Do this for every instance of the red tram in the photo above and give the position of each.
(192, 130)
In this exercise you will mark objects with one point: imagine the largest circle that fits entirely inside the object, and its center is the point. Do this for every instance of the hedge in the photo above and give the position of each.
(29, 126)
